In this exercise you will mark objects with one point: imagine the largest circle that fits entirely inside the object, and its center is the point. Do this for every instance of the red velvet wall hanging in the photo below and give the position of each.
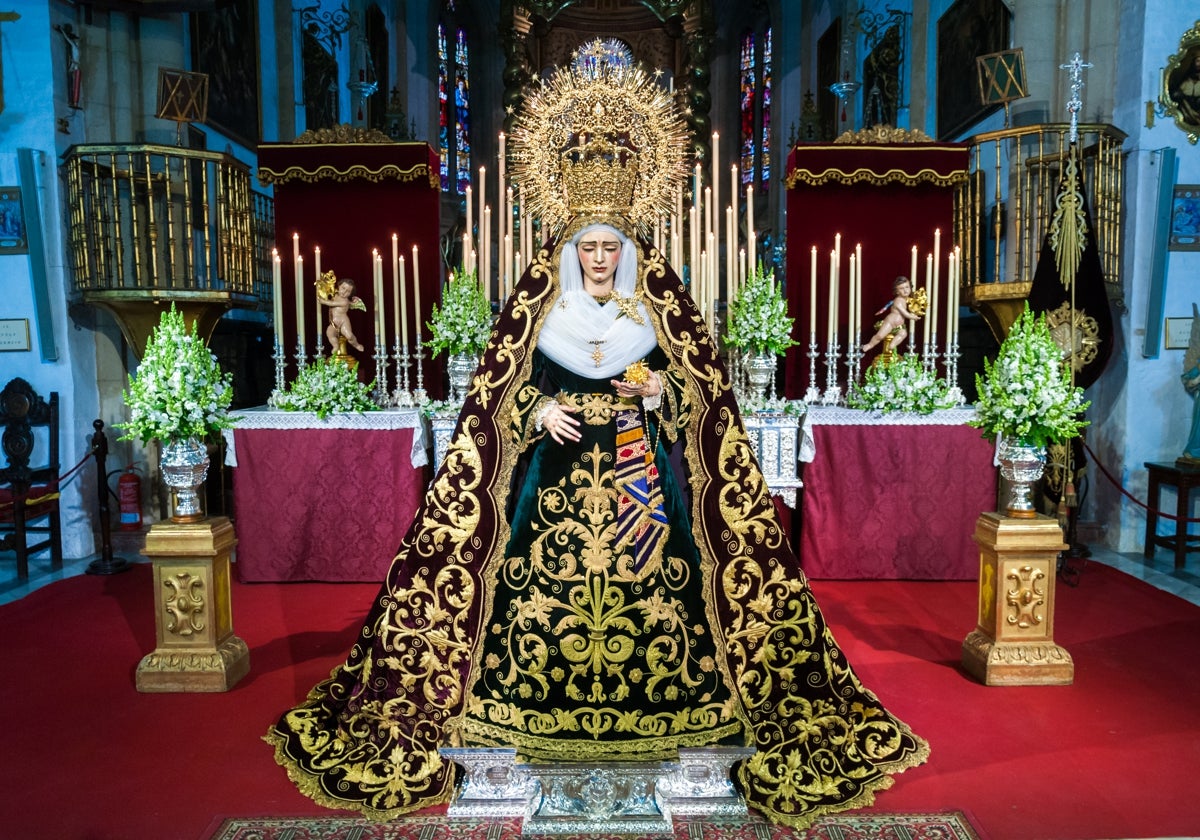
(347, 199)
(886, 198)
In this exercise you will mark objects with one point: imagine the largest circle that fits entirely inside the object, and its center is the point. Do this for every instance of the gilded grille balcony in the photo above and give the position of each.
(1005, 207)
(152, 225)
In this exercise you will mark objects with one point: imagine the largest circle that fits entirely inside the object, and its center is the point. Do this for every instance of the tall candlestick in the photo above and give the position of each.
(417, 293)
(277, 292)
(812, 295)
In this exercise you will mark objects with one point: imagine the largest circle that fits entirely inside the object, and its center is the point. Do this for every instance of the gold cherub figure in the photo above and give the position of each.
(339, 296)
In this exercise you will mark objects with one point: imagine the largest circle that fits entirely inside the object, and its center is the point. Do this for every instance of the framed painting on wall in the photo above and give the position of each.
(968, 29)
(225, 47)
(1180, 95)
(12, 222)
(1185, 218)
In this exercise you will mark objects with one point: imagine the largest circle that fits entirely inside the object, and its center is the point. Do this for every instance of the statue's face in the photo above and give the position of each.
(598, 255)
(904, 289)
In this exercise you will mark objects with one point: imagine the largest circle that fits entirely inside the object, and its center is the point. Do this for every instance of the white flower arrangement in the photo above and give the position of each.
(758, 319)
(463, 323)
(1026, 392)
(179, 390)
(327, 386)
(904, 385)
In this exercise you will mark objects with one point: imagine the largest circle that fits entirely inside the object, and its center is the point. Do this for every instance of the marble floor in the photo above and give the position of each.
(1158, 571)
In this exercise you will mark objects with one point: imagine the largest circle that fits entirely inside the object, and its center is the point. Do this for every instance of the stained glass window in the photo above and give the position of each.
(462, 112)
(443, 109)
(454, 112)
(749, 83)
(765, 155)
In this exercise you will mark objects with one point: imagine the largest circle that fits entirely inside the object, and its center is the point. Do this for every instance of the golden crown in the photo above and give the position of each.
(599, 139)
(598, 175)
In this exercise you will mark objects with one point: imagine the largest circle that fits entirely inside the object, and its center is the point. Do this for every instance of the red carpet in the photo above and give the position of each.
(86, 757)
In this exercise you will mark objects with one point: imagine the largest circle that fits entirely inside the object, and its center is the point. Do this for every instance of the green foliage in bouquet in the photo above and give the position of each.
(327, 386)
(463, 323)
(902, 386)
(1026, 392)
(758, 320)
(178, 391)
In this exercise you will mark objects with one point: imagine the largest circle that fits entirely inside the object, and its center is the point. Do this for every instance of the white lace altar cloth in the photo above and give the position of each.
(387, 419)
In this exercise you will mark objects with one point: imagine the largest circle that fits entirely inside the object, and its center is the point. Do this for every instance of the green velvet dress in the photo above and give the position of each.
(590, 653)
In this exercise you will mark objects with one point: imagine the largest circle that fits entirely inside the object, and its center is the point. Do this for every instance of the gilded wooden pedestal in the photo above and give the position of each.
(197, 650)
(1014, 641)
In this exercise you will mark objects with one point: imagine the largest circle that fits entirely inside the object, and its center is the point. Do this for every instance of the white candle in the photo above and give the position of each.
(730, 271)
(470, 220)
(957, 288)
(300, 299)
(402, 293)
(812, 296)
(928, 281)
(912, 274)
(295, 247)
(850, 297)
(395, 288)
(716, 189)
(479, 245)
(417, 292)
(750, 219)
(734, 233)
(486, 244)
(858, 291)
(934, 289)
(277, 292)
(317, 293)
(376, 291)
(837, 248)
(831, 302)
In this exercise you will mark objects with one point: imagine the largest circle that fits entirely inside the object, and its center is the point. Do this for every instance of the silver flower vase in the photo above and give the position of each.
(184, 466)
(760, 373)
(460, 368)
(1021, 464)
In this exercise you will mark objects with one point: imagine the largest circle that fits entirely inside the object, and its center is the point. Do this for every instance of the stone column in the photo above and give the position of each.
(1013, 643)
(197, 650)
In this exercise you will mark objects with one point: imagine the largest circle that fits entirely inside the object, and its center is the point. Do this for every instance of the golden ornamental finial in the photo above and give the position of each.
(599, 138)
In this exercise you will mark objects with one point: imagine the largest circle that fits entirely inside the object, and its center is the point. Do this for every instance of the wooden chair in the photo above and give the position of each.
(29, 494)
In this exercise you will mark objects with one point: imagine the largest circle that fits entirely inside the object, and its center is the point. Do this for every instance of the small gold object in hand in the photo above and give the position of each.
(637, 374)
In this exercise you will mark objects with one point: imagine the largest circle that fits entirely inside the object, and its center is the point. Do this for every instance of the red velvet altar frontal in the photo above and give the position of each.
(895, 502)
(322, 504)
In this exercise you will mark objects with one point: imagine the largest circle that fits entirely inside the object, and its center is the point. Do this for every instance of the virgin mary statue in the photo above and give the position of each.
(597, 570)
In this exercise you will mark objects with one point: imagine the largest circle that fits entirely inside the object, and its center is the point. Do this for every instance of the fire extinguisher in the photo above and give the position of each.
(129, 497)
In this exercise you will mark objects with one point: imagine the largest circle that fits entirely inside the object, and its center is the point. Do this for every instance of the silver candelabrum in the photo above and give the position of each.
(402, 397)
(380, 393)
(419, 395)
(833, 391)
(813, 395)
(954, 392)
(280, 363)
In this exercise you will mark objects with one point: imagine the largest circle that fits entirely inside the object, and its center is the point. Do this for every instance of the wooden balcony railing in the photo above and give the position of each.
(153, 224)
(1003, 210)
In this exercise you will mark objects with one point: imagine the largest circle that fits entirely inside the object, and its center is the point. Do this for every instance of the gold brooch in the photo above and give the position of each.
(637, 373)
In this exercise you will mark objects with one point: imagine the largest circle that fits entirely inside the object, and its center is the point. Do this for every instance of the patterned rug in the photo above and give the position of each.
(952, 825)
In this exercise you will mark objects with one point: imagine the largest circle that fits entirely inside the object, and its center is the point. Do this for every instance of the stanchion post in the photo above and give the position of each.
(106, 564)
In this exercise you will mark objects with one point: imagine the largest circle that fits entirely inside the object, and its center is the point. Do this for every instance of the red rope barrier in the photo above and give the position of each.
(1129, 495)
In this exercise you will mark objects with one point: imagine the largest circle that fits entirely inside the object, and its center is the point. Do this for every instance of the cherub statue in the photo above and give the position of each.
(892, 328)
(1191, 383)
(339, 296)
